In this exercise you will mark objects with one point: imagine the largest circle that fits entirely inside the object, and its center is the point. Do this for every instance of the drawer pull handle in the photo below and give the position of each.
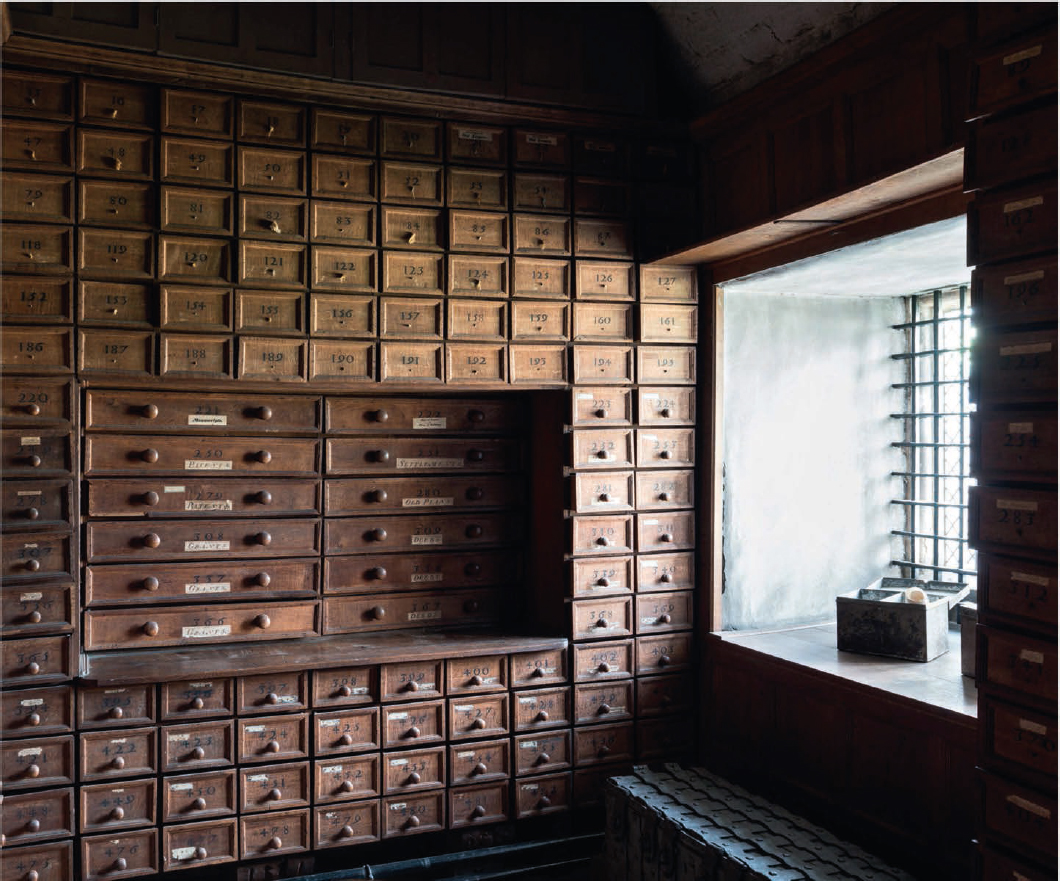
(32, 409)
(273, 746)
(33, 720)
(413, 732)
(601, 622)
(379, 416)
(542, 716)
(666, 537)
(264, 413)
(412, 821)
(347, 786)
(274, 226)
(198, 754)
(263, 456)
(478, 811)
(34, 617)
(476, 494)
(113, 112)
(346, 831)
(152, 540)
(263, 538)
(605, 497)
(666, 454)
(197, 704)
(378, 495)
(264, 497)
(200, 853)
(603, 541)
(117, 814)
(377, 613)
(544, 802)
(475, 455)
(664, 661)
(150, 498)
(471, 606)
(543, 759)
(480, 768)
(537, 673)
(33, 771)
(473, 531)
(476, 416)
(412, 686)
(601, 413)
(275, 843)
(345, 691)
(120, 864)
(603, 709)
(377, 534)
(603, 582)
(272, 698)
(666, 577)
(475, 680)
(150, 456)
(604, 750)
(666, 700)
(149, 411)
(346, 740)
(33, 825)
(664, 619)
(275, 795)
(33, 668)
(149, 583)
(263, 579)
(32, 565)
(118, 762)
(473, 569)
(33, 461)
(33, 513)
(376, 574)
(199, 804)
(116, 712)
(665, 412)
(413, 778)
(664, 497)
(604, 667)
(151, 628)
(379, 456)
(264, 622)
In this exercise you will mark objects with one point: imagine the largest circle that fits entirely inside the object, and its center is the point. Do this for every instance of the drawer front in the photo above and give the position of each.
(602, 535)
(115, 154)
(410, 319)
(666, 365)
(36, 661)
(412, 679)
(540, 234)
(195, 308)
(602, 617)
(541, 278)
(665, 572)
(271, 171)
(477, 805)
(350, 270)
(413, 770)
(1018, 739)
(603, 743)
(118, 203)
(37, 816)
(32, 557)
(541, 148)
(997, 867)
(408, 137)
(478, 716)
(108, 454)
(476, 320)
(603, 322)
(270, 834)
(542, 795)
(263, 122)
(540, 320)
(600, 154)
(546, 667)
(1016, 367)
(199, 844)
(594, 662)
(37, 711)
(342, 315)
(131, 854)
(478, 231)
(197, 746)
(663, 738)
(412, 228)
(1016, 293)
(413, 724)
(1021, 816)
(209, 163)
(668, 284)
(541, 753)
(603, 448)
(345, 687)
(197, 212)
(37, 198)
(476, 145)
(674, 323)
(37, 350)
(666, 406)
(541, 192)
(126, 354)
(477, 188)
(37, 300)
(272, 265)
(345, 824)
(389, 611)
(412, 184)
(601, 406)
(601, 576)
(666, 531)
(342, 177)
(605, 281)
(658, 654)
(39, 862)
(1018, 591)
(477, 276)
(346, 731)
(111, 806)
(659, 695)
(270, 312)
(603, 364)
(37, 608)
(1015, 147)
(41, 146)
(473, 675)
(126, 753)
(41, 761)
(538, 365)
(1014, 73)
(609, 198)
(1013, 446)
(661, 612)
(389, 455)
(197, 261)
(198, 796)
(1012, 223)
(349, 777)
(665, 489)
(199, 583)
(274, 787)
(35, 400)
(412, 814)
(342, 223)
(1019, 519)
(602, 238)
(603, 702)
(167, 411)
(196, 699)
(343, 132)
(121, 104)
(270, 738)
(123, 628)
(38, 95)
(541, 708)
(478, 762)
(200, 113)
(265, 495)
(384, 494)
(199, 540)
(1011, 660)
(272, 692)
(599, 492)
(123, 305)
(115, 707)
(475, 362)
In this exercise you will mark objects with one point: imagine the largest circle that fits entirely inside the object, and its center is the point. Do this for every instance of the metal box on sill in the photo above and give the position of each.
(881, 619)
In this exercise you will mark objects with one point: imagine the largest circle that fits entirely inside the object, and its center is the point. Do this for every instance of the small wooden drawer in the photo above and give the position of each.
(478, 762)
(342, 315)
(345, 687)
(410, 273)
(37, 762)
(474, 675)
(1014, 73)
(1016, 293)
(668, 323)
(540, 708)
(540, 320)
(341, 825)
(38, 95)
(1017, 662)
(37, 350)
(35, 400)
(200, 261)
(115, 305)
(277, 359)
(1015, 367)
(269, 834)
(545, 149)
(411, 137)
(996, 866)
(415, 362)
(478, 231)
(600, 154)
(603, 743)
(118, 203)
(411, 184)
(1018, 741)
(107, 806)
(36, 661)
(541, 278)
(1023, 818)
(601, 406)
(1012, 222)
(541, 234)
(478, 321)
(543, 752)
(389, 455)
(604, 448)
(35, 557)
(413, 724)
(38, 862)
(343, 223)
(541, 365)
(200, 699)
(345, 731)
(37, 711)
(666, 365)
(37, 608)
(666, 406)
(665, 531)
(666, 448)
(129, 353)
(194, 540)
(37, 198)
(341, 359)
(606, 281)
(343, 132)
(279, 312)
(476, 144)
(603, 322)
(665, 738)
(37, 816)
(601, 577)
(272, 692)
(668, 284)
(541, 192)
(478, 716)
(416, 228)
(1014, 147)
(130, 752)
(132, 854)
(657, 490)
(478, 805)
(195, 308)
(661, 612)
(344, 177)
(602, 238)
(198, 796)
(41, 146)
(199, 844)
(611, 534)
(179, 411)
(413, 770)
(349, 270)
(115, 154)
(660, 695)
(402, 318)
(116, 253)
(115, 706)
(265, 170)
(665, 572)
(202, 113)
(1018, 445)
(546, 667)
(603, 197)
(602, 617)
(274, 787)
(547, 794)
(37, 300)
(411, 814)
(477, 188)
(263, 122)
(265, 494)
(598, 661)
(25, 455)
(272, 738)
(342, 778)
(205, 163)
(1017, 592)
(36, 503)
(197, 212)
(603, 702)
(1014, 519)
(117, 103)
(603, 364)
(37, 250)
(658, 654)
(478, 276)
(494, 416)
(272, 264)
(145, 454)
(458, 608)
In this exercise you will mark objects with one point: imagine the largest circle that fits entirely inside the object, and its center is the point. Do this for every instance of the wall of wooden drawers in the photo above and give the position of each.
(286, 383)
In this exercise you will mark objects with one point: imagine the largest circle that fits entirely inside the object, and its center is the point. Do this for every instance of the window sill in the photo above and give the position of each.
(937, 683)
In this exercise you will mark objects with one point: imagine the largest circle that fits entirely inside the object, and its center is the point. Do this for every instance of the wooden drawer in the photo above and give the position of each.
(458, 608)
(411, 137)
(478, 716)
(668, 323)
(1021, 817)
(202, 113)
(603, 322)
(37, 711)
(666, 406)
(476, 320)
(603, 491)
(198, 356)
(270, 834)
(271, 738)
(598, 661)
(37, 350)
(602, 617)
(128, 354)
(1016, 519)
(541, 234)
(1017, 592)
(345, 824)
(541, 278)
(541, 192)
(274, 787)
(41, 146)
(601, 576)
(198, 746)
(272, 265)
(116, 305)
(38, 95)
(1014, 661)
(601, 535)
(603, 238)
(410, 319)
(342, 223)
(413, 724)
(603, 702)
(412, 228)
(1009, 149)
(540, 320)
(412, 679)
(119, 203)
(272, 692)
(132, 854)
(1014, 222)
(37, 250)
(26, 455)
(603, 197)
(348, 777)
(195, 700)
(37, 504)
(666, 365)
(350, 270)
(35, 557)
(1014, 73)
(665, 489)
(40, 761)
(665, 572)
(117, 103)
(478, 231)
(412, 814)
(199, 844)
(668, 284)
(389, 455)
(411, 184)
(476, 144)
(665, 531)
(342, 315)
(393, 534)
(603, 743)
(661, 612)
(199, 261)
(477, 188)
(600, 154)
(538, 365)
(36, 661)
(149, 454)
(995, 866)
(546, 667)
(197, 212)
(345, 687)
(541, 148)
(37, 816)
(478, 762)
(1015, 367)
(38, 608)
(1014, 446)
(115, 154)
(1018, 741)
(1016, 293)
(115, 706)
(155, 411)
(664, 739)
(658, 654)
(39, 862)
(37, 300)
(343, 177)
(342, 132)
(37, 198)
(264, 495)
(666, 448)
(605, 448)
(384, 494)
(35, 400)
(345, 731)
(659, 695)
(128, 752)
(112, 806)
(547, 794)
(542, 752)
(187, 540)
(477, 276)
(265, 170)
(478, 805)
(263, 122)
(205, 163)
(195, 308)
(413, 770)
(603, 364)
(111, 253)
(601, 406)
(473, 675)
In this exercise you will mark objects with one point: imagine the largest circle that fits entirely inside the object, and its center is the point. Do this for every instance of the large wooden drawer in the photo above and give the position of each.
(415, 571)
(109, 454)
(37, 711)
(1014, 73)
(395, 534)
(200, 539)
(1012, 148)
(404, 455)
(407, 494)
(455, 608)
(1017, 662)
(153, 411)
(143, 628)
(39, 761)
(263, 495)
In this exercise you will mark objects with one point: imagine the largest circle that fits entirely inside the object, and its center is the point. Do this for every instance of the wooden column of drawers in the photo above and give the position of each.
(1012, 237)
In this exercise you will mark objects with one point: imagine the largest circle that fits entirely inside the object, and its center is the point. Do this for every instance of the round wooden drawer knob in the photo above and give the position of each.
(603, 541)
(377, 613)
(478, 811)
(473, 569)
(120, 864)
(601, 454)
(264, 497)
(263, 456)
(476, 416)
(198, 753)
(412, 686)
(377, 534)
(116, 712)
(605, 497)
(664, 619)
(151, 628)
(33, 409)
(377, 573)
(542, 716)
(33, 825)
(33, 720)
(117, 814)
(666, 700)
(33, 513)
(263, 621)
(346, 832)
(379, 416)
(544, 802)
(379, 455)
(200, 853)
(413, 778)
(263, 538)
(603, 709)
(666, 577)
(32, 565)
(150, 456)
(413, 732)
(198, 703)
(152, 540)
(149, 411)
(34, 617)
(473, 531)
(347, 786)
(264, 413)
(664, 497)
(150, 498)
(475, 455)
(665, 454)
(412, 821)
(272, 698)
(33, 771)
(378, 495)
(666, 537)
(471, 606)
(33, 668)
(604, 668)
(542, 759)
(480, 768)
(604, 750)
(32, 874)
(600, 622)
(275, 795)
(272, 746)
(263, 579)
(149, 583)
(345, 691)
(537, 672)
(665, 413)
(199, 804)
(603, 582)
(478, 724)
(600, 413)
(33, 461)
(475, 680)
(118, 762)
(275, 843)
(664, 661)
(346, 740)
(475, 494)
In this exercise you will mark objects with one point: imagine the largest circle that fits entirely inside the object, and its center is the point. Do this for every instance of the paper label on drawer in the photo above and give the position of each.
(1027, 578)
(428, 422)
(1037, 275)
(600, 146)
(206, 419)
(31, 751)
(1023, 55)
(30, 492)
(329, 723)
(542, 140)
(206, 631)
(30, 597)
(1016, 505)
(530, 787)
(332, 769)
(1028, 349)
(1033, 727)
(471, 134)
(424, 577)
(438, 502)
(258, 778)
(207, 464)
(179, 738)
(115, 690)
(397, 763)
(528, 744)
(208, 587)
(172, 489)
(527, 701)
(120, 740)
(287, 699)
(1021, 428)
(30, 441)
(208, 505)
(180, 787)
(585, 396)
(467, 755)
(399, 717)
(398, 806)
(1032, 202)
(427, 540)
(31, 702)
(424, 616)
(464, 708)
(419, 464)
(200, 685)
(1032, 657)
(649, 621)
(182, 853)
(207, 545)
(254, 729)
(1038, 810)
(30, 545)
(650, 522)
